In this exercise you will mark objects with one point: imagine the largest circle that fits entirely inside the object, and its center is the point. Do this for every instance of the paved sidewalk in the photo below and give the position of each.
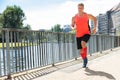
(103, 68)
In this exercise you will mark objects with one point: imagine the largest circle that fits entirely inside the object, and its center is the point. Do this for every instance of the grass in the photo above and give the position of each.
(17, 44)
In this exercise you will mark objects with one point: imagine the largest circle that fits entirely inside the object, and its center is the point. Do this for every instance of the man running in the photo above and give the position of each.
(81, 22)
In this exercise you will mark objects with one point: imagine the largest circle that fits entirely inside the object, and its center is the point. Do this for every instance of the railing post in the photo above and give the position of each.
(90, 47)
(118, 41)
(52, 34)
(8, 55)
(111, 42)
(76, 58)
(100, 43)
(75, 48)
(0, 65)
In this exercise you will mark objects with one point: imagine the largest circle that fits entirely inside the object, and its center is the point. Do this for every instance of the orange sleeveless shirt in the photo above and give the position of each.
(82, 25)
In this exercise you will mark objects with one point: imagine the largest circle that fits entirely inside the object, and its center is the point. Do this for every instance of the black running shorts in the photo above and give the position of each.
(85, 38)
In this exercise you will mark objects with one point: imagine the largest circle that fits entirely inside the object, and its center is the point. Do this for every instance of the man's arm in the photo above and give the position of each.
(95, 22)
(73, 22)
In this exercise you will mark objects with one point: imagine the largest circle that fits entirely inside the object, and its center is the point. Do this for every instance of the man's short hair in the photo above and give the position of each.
(81, 4)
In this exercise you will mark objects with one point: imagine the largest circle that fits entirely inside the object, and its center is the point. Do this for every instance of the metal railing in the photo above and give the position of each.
(22, 50)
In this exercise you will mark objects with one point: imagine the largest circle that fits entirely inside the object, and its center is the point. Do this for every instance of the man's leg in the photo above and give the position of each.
(84, 53)
(84, 49)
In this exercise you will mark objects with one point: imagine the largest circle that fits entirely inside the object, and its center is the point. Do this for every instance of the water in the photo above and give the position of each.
(24, 58)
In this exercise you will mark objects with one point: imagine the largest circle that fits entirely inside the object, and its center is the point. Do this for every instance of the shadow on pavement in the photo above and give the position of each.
(98, 73)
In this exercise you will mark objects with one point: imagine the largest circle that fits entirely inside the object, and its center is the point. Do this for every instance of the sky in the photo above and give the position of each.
(44, 14)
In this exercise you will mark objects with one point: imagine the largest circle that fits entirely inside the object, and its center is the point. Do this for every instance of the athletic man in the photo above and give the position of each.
(81, 22)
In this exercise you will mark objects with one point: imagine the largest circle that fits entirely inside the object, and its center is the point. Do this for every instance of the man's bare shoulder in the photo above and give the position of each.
(74, 16)
(89, 14)
(84, 12)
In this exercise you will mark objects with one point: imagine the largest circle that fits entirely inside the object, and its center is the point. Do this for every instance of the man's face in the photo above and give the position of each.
(80, 8)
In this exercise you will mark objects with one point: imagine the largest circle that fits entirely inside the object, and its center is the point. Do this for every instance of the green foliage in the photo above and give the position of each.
(12, 17)
(57, 28)
(73, 31)
(0, 20)
(27, 27)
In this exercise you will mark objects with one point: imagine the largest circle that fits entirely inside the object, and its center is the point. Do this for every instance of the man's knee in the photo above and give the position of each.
(83, 44)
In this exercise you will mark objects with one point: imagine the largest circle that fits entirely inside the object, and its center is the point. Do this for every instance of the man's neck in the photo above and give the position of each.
(80, 13)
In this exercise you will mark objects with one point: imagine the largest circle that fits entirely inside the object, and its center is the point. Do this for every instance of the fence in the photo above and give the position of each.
(22, 50)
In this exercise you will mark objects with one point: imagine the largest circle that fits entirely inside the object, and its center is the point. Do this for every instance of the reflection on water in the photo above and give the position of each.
(24, 58)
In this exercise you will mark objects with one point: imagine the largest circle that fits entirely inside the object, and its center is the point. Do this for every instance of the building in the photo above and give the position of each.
(109, 23)
(115, 14)
(102, 23)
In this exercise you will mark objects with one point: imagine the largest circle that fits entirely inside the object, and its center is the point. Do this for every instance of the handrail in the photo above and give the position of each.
(22, 50)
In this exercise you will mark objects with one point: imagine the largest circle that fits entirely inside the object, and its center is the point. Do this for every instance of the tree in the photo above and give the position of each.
(12, 17)
(0, 20)
(57, 28)
(27, 27)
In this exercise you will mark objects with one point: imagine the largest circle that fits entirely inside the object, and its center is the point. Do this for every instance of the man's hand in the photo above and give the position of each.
(94, 30)
(73, 22)
(73, 28)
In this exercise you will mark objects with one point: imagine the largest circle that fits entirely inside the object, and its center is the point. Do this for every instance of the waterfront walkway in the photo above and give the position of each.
(101, 66)
(106, 67)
